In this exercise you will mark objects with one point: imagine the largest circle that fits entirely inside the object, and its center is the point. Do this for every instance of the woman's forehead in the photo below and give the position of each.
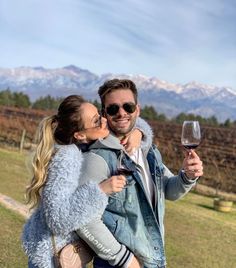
(88, 110)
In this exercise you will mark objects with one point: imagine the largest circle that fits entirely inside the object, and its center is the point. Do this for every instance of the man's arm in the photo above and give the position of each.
(147, 132)
(140, 136)
(177, 186)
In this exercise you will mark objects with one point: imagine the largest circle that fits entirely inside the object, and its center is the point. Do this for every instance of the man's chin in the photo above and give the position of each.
(121, 130)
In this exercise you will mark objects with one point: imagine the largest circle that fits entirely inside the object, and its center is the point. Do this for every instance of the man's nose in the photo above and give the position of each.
(121, 111)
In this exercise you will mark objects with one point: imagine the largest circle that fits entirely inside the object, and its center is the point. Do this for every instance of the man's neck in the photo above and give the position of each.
(121, 136)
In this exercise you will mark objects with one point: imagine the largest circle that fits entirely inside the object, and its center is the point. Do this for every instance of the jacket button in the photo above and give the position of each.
(155, 248)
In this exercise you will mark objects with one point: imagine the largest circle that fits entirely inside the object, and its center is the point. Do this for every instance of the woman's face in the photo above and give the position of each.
(95, 126)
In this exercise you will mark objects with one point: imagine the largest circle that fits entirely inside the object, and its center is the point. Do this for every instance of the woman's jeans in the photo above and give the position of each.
(99, 263)
(31, 265)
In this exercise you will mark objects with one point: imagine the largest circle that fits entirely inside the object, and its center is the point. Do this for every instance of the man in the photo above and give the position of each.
(135, 215)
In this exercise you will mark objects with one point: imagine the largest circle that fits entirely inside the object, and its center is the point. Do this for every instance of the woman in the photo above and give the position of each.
(62, 204)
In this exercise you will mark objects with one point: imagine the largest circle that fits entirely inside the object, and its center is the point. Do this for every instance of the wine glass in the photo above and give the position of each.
(191, 135)
(122, 170)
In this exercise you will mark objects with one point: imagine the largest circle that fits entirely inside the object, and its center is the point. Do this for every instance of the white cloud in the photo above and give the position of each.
(174, 40)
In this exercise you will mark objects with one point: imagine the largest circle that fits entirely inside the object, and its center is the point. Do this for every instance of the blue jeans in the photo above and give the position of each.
(99, 263)
(31, 265)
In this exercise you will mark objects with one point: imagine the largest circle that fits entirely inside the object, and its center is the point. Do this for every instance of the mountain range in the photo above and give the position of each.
(168, 98)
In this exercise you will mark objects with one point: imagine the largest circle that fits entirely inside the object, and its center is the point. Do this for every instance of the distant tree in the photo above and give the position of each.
(227, 123)
(149, 113)
(212, 121)
(180, 118)
(47, 103)
(161, 117)
(6, 98)
(21, 100)
(17, 99)
(201, 120)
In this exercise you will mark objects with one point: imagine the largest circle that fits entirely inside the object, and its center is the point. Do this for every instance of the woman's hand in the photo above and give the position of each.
(134, 263)
(113, 184)
(132, 141)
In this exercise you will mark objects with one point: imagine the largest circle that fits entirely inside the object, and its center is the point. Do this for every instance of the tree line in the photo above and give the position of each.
(149, 113)
(20, 99)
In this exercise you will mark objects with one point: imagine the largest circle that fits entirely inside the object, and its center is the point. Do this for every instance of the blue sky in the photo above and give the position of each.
(175, 40)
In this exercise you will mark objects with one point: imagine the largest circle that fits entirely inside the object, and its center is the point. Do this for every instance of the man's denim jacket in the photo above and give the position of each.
(130, 216)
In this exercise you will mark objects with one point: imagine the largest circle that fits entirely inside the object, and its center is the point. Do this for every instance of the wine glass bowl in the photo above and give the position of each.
(125, 171)
(191, 135)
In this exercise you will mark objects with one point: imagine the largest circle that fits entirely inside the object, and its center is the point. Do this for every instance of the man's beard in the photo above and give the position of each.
(121, 131)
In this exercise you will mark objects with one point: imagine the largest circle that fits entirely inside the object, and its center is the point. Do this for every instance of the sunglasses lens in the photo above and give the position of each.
(112, 109)
(129, 107)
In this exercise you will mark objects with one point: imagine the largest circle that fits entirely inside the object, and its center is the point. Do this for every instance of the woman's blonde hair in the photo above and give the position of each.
(58, 128)
(43, 154)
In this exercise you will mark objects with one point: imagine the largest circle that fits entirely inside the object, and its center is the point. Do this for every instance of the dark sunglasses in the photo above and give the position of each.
(113, 109)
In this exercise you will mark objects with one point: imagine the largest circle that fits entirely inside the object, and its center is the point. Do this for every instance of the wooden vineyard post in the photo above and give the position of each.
(22, 140)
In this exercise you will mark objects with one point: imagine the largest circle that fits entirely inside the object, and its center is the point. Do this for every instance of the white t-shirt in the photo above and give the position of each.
(144, 171)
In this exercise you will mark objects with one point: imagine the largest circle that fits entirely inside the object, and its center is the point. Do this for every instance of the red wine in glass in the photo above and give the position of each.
(191, 135)
(124, 171)
(190, 146)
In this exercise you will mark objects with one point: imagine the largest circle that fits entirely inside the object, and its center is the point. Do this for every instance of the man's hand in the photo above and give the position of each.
(192, 165)
(133, 141)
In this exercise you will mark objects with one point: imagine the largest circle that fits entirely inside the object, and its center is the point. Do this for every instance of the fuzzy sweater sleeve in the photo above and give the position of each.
(146, 130)
(66, 204)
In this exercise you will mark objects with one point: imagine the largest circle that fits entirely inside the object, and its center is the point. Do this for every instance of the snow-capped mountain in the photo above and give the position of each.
(168, 98)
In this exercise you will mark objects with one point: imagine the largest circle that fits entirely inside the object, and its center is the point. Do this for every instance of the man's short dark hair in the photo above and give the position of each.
(115, 84)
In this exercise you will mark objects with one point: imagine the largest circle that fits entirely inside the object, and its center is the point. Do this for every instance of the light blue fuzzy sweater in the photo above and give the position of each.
(65, 207)
(66, 204)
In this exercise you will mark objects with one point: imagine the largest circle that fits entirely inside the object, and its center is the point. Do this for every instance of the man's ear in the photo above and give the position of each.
(138, 110)
(79, 136)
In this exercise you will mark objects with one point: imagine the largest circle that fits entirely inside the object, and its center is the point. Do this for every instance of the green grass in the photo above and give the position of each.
(14, 173)
(196, 235)
(11, 255)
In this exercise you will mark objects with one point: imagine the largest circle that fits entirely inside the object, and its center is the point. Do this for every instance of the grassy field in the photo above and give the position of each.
(11, 255)
(196, 235)
(14, 173)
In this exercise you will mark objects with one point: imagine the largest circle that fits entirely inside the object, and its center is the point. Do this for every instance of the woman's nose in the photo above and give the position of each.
(104, 120)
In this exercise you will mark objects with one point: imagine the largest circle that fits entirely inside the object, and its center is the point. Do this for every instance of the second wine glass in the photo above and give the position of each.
(122, 170)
